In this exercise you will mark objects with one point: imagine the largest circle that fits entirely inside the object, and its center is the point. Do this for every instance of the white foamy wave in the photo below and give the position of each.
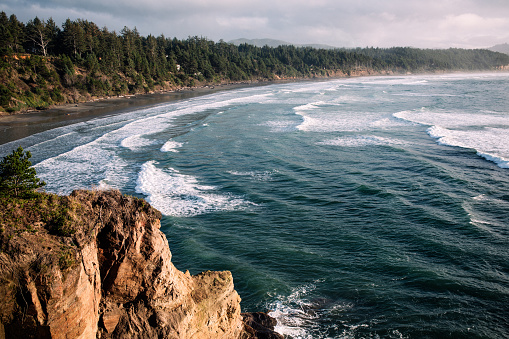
(348, 98)
(490, 143)
(310, 88)
(135, 142)
(181, 195)
(289, 312)
(486, 133)
(453, 119)
(500, 161)
(307, 107)
(480, 197)
(387, 123)
(341, 122)
(422, 95)
(83, 167)
(360, 141)
(171, 146)
(297, 314)
(490, 199)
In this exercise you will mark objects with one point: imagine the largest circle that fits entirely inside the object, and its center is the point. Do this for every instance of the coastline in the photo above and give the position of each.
(23, 124)
(20, 125)
(17, 126)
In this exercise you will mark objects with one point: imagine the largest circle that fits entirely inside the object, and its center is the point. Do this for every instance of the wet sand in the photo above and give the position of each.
(18, 126)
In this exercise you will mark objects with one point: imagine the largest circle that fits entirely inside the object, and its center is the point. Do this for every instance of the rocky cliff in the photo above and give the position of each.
(95, 265)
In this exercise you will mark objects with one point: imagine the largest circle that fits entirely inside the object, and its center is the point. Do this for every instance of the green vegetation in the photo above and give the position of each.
(43, 64)
(17, 176)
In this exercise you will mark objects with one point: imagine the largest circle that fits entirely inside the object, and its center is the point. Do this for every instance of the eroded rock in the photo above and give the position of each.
(109, 276)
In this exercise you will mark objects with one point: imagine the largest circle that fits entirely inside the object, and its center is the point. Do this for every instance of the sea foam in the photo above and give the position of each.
(486, 133)
(298, 313)
(360, 141)
(171, 146)
(181, 195)
(490, 143)
(344, 121)
(83, 167)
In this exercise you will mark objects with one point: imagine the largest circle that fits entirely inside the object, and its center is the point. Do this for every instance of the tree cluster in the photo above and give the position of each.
(43, 63)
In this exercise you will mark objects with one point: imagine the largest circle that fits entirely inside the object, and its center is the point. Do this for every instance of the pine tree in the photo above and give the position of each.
(17, 176)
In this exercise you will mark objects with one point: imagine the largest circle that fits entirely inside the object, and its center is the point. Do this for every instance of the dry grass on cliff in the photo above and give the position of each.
(53, 226)
(43, 211)
(36, 233)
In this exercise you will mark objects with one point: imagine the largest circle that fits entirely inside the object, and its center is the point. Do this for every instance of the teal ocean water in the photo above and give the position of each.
(373, 207)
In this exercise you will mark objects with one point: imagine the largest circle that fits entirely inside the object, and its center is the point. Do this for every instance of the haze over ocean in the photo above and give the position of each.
(352, 208)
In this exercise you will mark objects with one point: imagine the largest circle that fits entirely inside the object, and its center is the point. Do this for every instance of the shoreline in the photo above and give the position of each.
(24, 124)
(21, 125)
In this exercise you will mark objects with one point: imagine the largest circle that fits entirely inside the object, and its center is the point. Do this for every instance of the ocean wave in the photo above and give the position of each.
(447, 119)
(135, 142)
(486, 133)
(289, 311)
(406, 80)
(500, 161)
(360, 141)
(171, 146)
(308, 107)
(298, 314)
(340, 122)
(489, 143)
(181, 195)
(83, 167)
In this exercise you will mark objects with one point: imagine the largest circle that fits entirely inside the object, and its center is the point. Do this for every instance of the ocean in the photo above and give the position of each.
(371, 207)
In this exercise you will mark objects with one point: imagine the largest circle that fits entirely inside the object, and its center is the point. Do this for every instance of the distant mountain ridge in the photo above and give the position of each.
(276, 43)
(502, 48)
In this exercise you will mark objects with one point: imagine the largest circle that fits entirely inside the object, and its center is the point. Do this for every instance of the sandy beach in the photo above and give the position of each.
(17, 126)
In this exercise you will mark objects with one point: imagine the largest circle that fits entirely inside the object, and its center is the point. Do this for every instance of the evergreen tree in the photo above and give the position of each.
(17, 31)
(73, 38)
(17, 176)
(5, 34)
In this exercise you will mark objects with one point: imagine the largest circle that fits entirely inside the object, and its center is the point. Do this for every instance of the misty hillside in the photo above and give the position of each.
(502, 48)
(276, 43)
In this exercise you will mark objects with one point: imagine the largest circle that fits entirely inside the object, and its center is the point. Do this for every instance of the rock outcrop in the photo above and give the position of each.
(100, 268)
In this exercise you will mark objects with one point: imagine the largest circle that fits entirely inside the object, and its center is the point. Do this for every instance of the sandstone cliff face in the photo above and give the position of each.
(112, 277)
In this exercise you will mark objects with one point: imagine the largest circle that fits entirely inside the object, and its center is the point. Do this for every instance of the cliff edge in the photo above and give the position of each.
(95, 265)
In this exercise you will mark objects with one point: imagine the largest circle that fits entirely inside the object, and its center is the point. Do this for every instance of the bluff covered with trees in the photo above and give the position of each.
(42, 63)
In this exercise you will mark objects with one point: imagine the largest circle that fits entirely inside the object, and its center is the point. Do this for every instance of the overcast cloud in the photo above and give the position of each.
(341, 23)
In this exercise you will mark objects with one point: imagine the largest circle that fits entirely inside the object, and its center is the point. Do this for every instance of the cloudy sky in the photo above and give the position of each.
(341, 23)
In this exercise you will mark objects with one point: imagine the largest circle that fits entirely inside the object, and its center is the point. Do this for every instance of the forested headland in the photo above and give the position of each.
(43, 64)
